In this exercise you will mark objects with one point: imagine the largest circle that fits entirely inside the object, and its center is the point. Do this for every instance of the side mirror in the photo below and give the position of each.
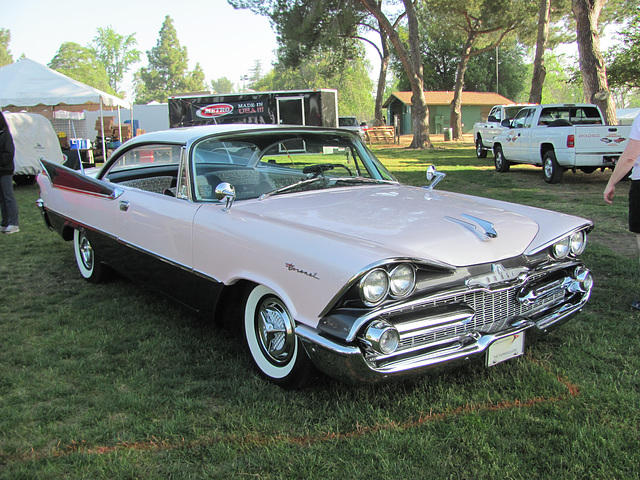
(227, 192)
(434, 176)
(506, 123)
(492, 119)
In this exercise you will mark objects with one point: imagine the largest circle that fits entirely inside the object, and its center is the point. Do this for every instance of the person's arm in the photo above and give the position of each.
(624, 165)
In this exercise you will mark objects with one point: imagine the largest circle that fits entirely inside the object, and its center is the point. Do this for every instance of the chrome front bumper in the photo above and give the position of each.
(350, 362)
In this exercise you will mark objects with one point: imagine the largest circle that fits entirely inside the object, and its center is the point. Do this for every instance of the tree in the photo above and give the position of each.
(222, 85)
(441, 52)
(81, 64)
(592, 66)
(116, 52)
(352, 81)
(482, 25)
(5, 54)
(308, 27)
(623, 67)
(409, 53)
(255, 73)
(539, 69)
(167, 71)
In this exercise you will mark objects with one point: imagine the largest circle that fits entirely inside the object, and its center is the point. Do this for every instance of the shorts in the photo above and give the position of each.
(634, 206)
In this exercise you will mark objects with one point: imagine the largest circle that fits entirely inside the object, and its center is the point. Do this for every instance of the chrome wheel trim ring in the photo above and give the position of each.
(274, 331)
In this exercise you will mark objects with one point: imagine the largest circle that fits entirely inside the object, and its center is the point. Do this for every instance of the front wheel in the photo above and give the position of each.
(88, 262)
(480, 151)
(270, 334)
(502, 165)
(551, 170)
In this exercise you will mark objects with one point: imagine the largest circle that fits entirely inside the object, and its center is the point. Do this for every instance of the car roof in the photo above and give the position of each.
(184, 135)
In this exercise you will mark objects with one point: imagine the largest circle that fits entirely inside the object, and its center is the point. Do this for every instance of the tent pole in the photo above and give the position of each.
(119, 126)
(104, 147)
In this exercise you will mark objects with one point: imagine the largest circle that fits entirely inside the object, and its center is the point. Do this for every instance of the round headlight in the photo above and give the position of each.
(402, 280)
(382, 337)
(562, 248)
(578, 242)
(374, 286)
(585, 278)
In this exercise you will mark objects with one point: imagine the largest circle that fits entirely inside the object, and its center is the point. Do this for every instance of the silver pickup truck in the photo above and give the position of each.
(485, 132)
(560, 137)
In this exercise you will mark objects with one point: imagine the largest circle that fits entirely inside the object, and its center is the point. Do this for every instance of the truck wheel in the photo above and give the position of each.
(502, 165)
(551, 171)
(480, 151)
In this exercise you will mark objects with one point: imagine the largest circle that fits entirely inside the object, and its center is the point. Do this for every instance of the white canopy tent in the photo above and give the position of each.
(32, 87)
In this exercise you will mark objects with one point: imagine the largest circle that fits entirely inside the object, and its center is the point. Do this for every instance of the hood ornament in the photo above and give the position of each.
(483, 229)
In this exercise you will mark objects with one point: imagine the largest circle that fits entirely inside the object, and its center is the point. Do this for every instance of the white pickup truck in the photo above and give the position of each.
(560, 137)
(485, 132)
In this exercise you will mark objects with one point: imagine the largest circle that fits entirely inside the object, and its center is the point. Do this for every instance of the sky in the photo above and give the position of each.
(226, 42)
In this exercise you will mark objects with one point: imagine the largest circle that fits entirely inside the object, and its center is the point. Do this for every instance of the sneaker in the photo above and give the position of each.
(12, 229)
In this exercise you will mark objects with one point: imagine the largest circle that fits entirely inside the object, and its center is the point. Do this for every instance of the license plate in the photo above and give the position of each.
(505, 348)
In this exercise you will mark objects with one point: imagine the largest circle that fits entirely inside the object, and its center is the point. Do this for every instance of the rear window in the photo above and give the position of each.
(587, 115)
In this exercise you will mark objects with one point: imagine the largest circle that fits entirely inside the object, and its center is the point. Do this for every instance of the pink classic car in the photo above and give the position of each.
(303, 237)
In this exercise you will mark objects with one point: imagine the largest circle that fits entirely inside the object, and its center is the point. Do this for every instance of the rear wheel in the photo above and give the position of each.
(480, 151)
(270, 334)
(551, 171)
(88, 261)
(502, 165)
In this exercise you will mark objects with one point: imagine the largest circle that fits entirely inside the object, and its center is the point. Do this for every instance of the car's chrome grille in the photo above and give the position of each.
(494, 311)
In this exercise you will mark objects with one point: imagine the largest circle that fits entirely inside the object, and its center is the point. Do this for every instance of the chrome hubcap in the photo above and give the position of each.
(86, 252)
(275, 331)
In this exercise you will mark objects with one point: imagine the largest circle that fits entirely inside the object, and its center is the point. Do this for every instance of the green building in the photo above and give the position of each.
(475, 108)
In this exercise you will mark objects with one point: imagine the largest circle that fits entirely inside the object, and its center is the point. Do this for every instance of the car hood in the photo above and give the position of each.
(430, 225)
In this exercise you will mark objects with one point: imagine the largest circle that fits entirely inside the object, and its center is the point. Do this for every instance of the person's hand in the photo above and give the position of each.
(609, 192)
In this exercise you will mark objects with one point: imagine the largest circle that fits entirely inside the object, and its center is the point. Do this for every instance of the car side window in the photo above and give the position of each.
(519, 119)
(146, 156)
(152, 168)
(529, 120)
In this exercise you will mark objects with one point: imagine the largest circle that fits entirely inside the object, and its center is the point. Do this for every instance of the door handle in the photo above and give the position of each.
(124, 206)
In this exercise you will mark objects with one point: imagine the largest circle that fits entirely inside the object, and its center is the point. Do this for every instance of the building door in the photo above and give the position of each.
(291, 111)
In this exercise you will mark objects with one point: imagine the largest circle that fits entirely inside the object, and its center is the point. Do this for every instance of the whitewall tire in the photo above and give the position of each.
(269, 331)
(88, 262)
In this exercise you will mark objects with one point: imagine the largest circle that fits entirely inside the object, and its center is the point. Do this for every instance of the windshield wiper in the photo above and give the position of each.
(293, 186)
(360, 180)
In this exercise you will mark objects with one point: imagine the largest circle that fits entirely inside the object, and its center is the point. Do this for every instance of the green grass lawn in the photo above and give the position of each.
(113, 381)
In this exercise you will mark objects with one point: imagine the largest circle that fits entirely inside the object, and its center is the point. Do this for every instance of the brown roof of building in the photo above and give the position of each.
(445, 98)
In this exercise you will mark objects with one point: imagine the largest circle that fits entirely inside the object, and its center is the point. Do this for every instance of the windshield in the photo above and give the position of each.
(347, 122)
(269, 163)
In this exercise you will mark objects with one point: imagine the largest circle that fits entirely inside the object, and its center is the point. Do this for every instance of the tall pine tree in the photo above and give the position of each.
(167, 71)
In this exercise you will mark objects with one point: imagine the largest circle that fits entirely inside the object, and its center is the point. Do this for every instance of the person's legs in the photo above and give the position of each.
(8, 201)
(634, 220)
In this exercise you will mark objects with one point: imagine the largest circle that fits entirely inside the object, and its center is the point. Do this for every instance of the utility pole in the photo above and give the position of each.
(497, 83)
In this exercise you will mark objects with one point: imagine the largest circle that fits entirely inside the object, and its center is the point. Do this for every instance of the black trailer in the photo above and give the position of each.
(293, 107)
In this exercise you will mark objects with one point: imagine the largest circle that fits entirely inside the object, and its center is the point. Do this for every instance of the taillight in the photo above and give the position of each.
(571, 141)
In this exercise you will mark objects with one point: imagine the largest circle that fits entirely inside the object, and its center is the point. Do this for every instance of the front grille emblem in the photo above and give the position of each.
(499, 274)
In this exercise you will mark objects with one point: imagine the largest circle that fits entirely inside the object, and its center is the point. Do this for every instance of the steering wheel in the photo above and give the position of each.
(320, 168)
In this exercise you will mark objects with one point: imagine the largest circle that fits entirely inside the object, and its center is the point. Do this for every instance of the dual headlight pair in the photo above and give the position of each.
(382, 283)
(573, 244)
